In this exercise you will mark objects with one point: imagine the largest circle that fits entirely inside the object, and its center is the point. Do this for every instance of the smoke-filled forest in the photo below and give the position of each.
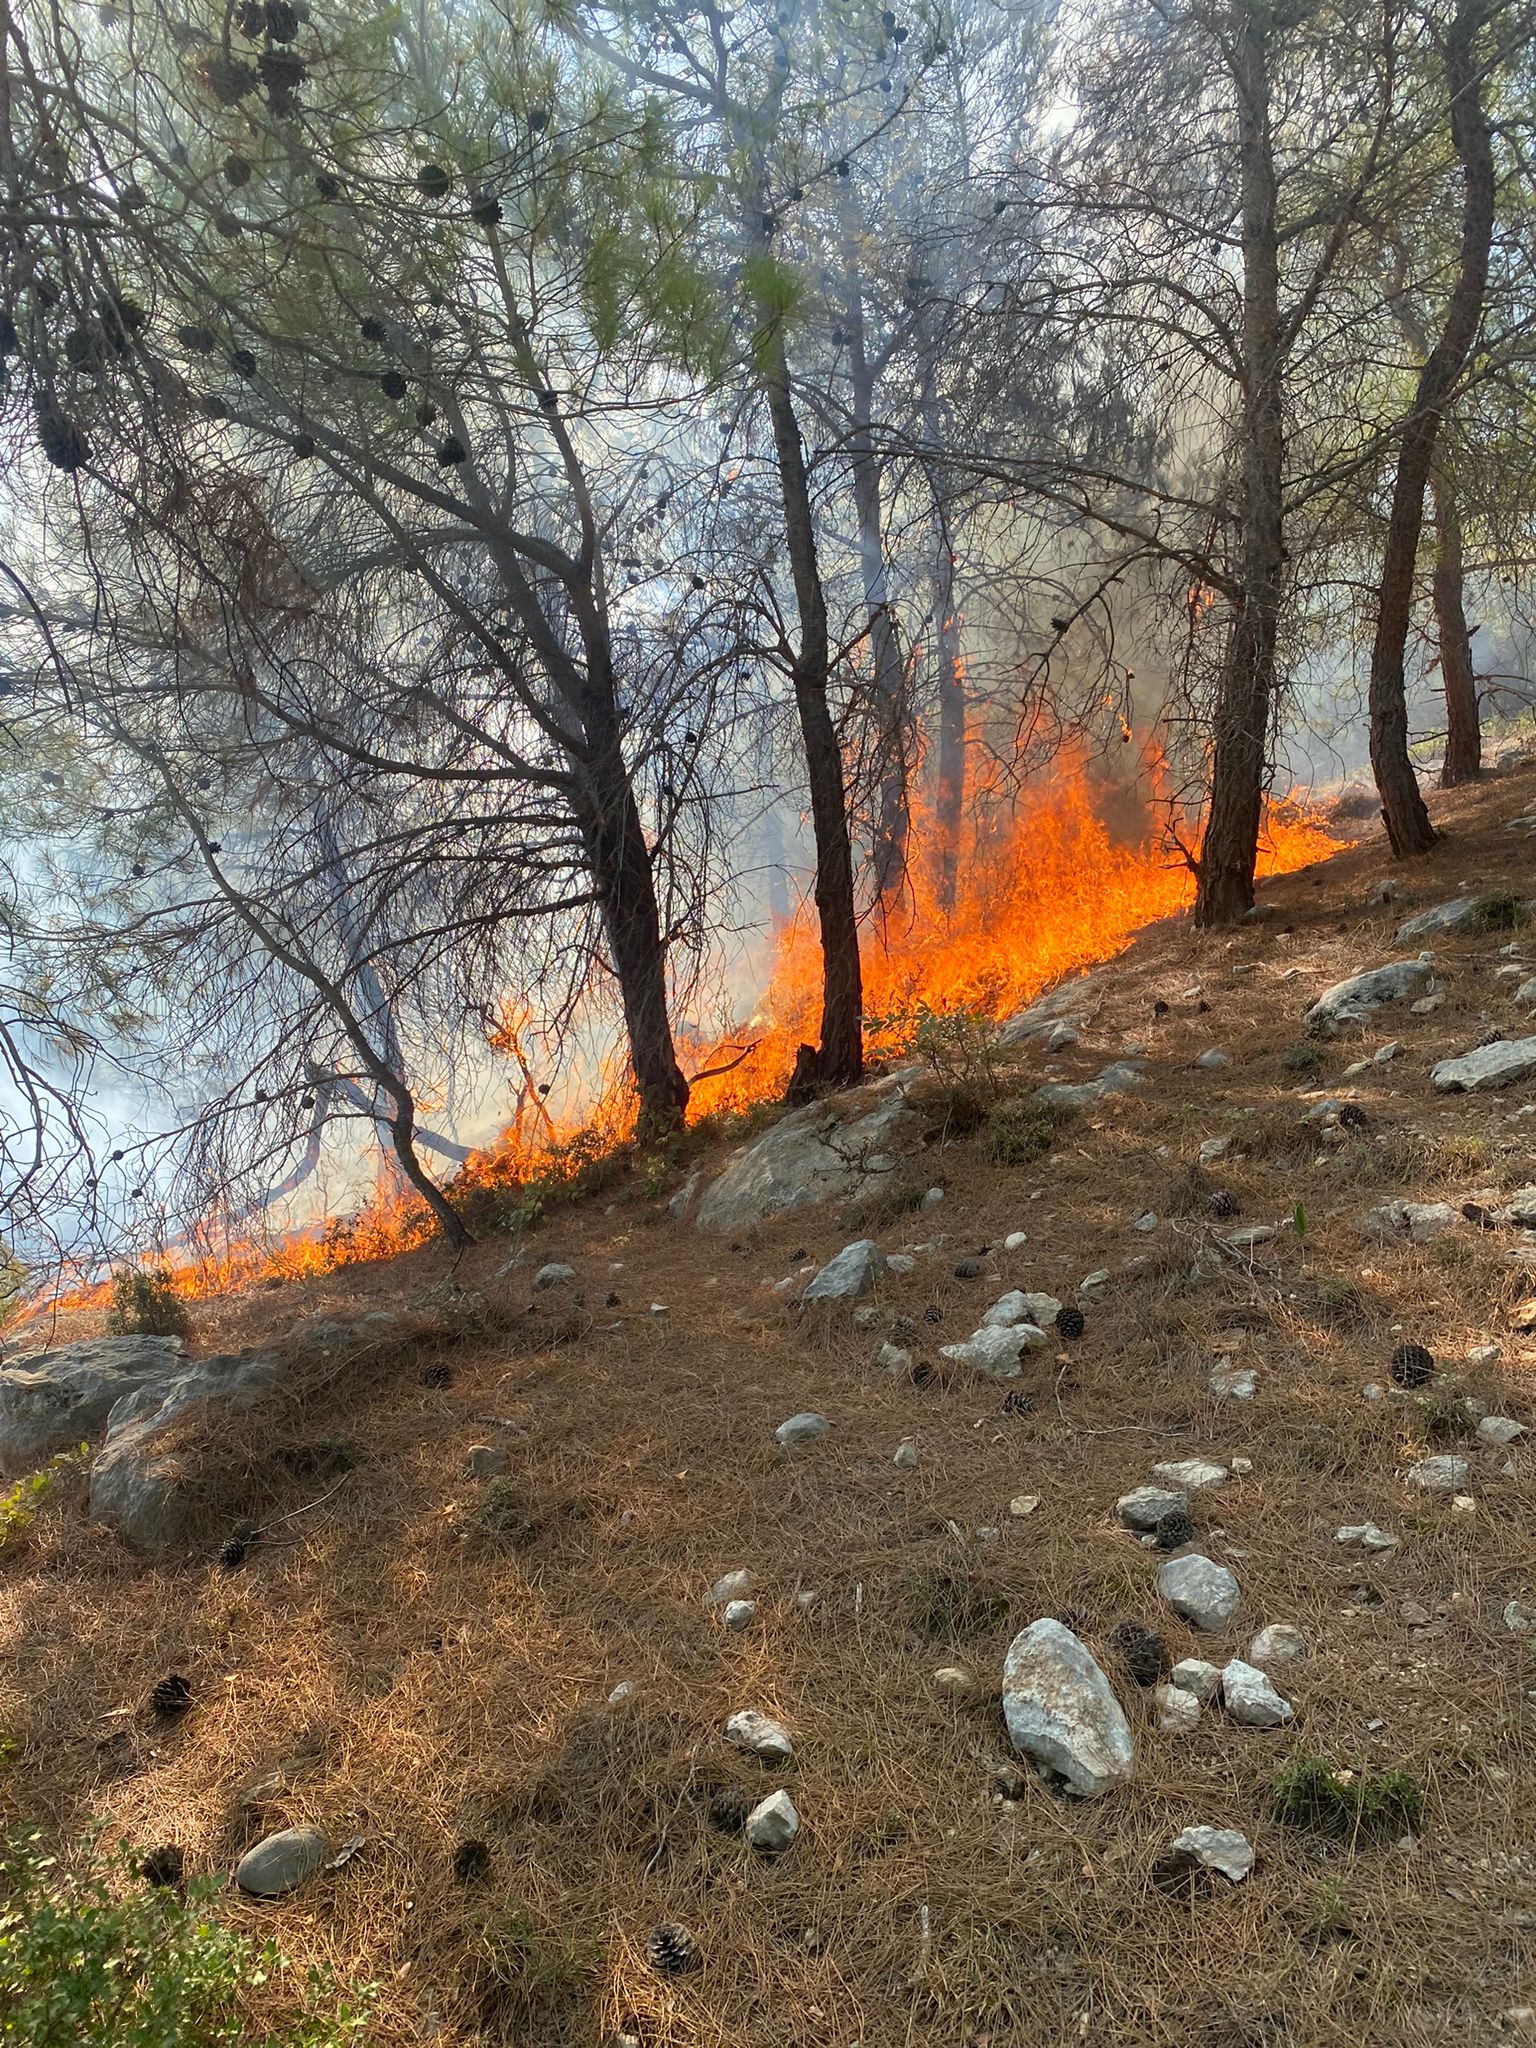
(767, 1023)
(570, 568)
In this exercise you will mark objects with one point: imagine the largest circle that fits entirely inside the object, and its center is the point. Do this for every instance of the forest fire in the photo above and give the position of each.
(1044, 887)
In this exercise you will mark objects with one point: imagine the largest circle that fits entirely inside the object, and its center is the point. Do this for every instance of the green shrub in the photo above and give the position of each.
(21, 1502)
(504, 1515)
(1305, 1059)
(1309, 1792)
(145, 1304)
(1501, 910)
(1447, 1418)
(1018, 1133)
(532, 1984)
(950, 1604)
(92, 1957)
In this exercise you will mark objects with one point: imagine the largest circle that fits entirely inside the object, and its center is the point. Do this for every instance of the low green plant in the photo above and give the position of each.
(1501, 910)
(145, 1304)
(90, 1954)
(20, 1503)
(951, 1603)
(1305, 1059)
(959, 1046)
(1446, 1418)
(1310, 1792)
(1019, 1133)
(1339, 1304)
(531, 1980)
(503, 1515)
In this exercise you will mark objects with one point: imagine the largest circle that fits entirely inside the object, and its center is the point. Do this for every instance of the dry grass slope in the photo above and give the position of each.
(427, 1664)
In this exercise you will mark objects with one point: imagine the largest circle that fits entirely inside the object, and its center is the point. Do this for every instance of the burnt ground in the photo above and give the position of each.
(413, 1660)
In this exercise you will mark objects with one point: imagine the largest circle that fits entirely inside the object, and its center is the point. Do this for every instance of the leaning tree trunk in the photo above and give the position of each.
(620, 861)
(892, 816)
(1230, 846)
(1402, 802)
(839, 1058)
(949, 794)
(1463, 726)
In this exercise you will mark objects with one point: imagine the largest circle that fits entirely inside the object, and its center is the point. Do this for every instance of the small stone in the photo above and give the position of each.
(1277, 1644)
(1145, 1506)
(1518, 2019)
(931, 1199)
(773, 1824)
(1367, 1535)
(1373, 1390)
(1212, 1149)
(1518, 1618)
(486, 1461)
(1426, 1005)
(553, 1275)
(624, 1690)
(1384, 1055)
(996, 1351)
(865, 1317)
(1249, 1698)
(282, 1862)
(1146, 1221)
(1174, 1711)
(1193, 1675)
(1500, 1429)
(1204, 1593)
(1440, 1474)
(950, 1678)
(1413, 1614)
(1241, 1467)
(738, 1614)
(1234, 1383)
(1192, 1474)
(900, 1263)
(807, 1601)
(1223, 1850)
(893, 1358)
(1061, 1036)
(801, 1429)
(1015, 1241)
(733, 1586)
(906, 1455)
(1483, 1355)
(850, 1274)
(761, 1734)
(1023, 1504)
(1214, 1057)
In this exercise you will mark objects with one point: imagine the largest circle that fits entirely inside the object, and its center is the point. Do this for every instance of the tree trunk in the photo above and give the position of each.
(892, 818)
(1229, 849)
(1402, 802)
(620, 861)
(839, 1059)
(1463, 730)
(950, 792)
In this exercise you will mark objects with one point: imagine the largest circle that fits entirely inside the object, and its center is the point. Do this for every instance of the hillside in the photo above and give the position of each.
(425, 1659)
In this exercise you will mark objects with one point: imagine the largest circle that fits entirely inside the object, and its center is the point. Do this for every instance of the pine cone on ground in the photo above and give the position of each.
(970, 1269)
(471, 1861)
(672, 1950)
(729, 1808)
(163, 1866)
(1224, 1205)
(1018, 1403)
(1412, 1366)
(1071, 1323)
(1142, 1651)
(1174, 1530)
(170, 1697)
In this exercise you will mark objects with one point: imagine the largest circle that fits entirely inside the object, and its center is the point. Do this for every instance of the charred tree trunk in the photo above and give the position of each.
(839, 1059)
(950, 791)
(1463, 727)
(892, 816)
(1229, 849)
(1402, 802)
(620, 861)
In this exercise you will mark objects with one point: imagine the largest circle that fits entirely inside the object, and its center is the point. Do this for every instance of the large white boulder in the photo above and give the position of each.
(1061, 1711)
(815, 1154)
(1502, 1065)
(140, 1480)
(1203, 1592)
(1352, 1001)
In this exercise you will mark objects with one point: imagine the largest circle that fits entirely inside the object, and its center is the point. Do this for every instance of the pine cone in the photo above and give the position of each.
(1224, 1205)
(437, 1376)
(1353, 1117)
(433, 182)
(1178, 1873)
(1174, 1530)
(1018, 1402)
(163, 1866)
(1071, 1323)
(672, 1950)
(729, 1808)
(933, 1313)
(970, 1269)
(471, 1861)
(236, 1549)
(170, 1697)
(1142, 1651)
(1412, 1366)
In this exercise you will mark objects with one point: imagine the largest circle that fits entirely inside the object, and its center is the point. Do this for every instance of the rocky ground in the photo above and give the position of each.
(1038, 1550)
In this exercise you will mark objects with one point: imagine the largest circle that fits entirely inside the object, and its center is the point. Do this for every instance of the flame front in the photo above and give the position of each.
(1040, 888)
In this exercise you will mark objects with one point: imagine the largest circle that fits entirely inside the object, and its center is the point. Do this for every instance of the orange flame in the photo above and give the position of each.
(1042, 889)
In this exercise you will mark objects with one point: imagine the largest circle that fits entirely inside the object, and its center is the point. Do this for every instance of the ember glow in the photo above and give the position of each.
(1044, 890)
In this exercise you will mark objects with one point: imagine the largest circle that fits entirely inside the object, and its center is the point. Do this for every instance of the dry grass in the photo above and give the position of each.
(385, 1665)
